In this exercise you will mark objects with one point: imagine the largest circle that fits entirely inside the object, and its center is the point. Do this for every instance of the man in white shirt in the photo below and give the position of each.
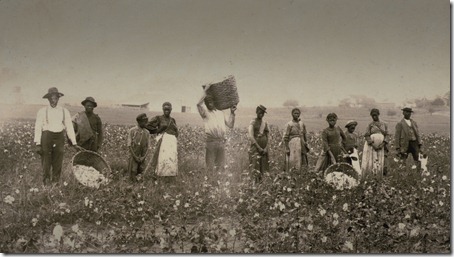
(51, 123)
(215, 129)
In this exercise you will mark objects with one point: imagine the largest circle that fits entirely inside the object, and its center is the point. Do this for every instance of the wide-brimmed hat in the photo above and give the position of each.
(51, 91)
(350, 123)
(141, 116)
(89, 99)
(261, 107)
(407, 109)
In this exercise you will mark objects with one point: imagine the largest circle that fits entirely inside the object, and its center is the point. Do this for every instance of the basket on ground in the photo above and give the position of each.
(343, 167)
(341, 176)
(224, 93)
(90, 169)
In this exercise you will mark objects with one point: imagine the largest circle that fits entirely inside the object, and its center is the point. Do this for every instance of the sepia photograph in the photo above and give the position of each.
(225, 126)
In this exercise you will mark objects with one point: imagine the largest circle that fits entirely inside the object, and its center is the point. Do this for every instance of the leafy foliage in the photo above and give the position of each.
(199, 212)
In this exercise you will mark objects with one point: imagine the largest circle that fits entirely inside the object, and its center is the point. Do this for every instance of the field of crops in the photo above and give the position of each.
(403, 212)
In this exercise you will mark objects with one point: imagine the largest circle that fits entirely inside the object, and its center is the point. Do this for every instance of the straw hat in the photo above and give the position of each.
(407, 109)
(89, 99)
(51, 91)
(350, 123)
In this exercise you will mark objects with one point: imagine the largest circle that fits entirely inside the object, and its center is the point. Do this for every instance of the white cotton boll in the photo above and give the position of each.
(57, 232)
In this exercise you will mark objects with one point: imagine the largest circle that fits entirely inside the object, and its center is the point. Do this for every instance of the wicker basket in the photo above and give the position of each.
(224, 93)
(344, 168)
(91, 159)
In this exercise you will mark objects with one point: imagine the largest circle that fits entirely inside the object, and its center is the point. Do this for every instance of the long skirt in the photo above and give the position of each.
(373, 161)
(166, 155)
(296, 159)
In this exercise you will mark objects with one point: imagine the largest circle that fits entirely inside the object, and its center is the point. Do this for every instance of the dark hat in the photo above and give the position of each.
(261, 107)
(407, 109)
(89, 99)
(51, 91)
(141, 116)
(350, 123)
(374, 110)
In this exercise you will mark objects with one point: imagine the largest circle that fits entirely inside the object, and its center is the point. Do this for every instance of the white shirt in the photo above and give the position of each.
(53, 120)
(215, 121)
(408, 122)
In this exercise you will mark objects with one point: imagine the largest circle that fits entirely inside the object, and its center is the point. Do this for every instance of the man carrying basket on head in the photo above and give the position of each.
(52, 123)
(215, 129)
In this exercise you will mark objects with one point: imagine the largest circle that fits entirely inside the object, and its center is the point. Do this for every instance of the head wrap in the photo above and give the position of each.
(295, 109)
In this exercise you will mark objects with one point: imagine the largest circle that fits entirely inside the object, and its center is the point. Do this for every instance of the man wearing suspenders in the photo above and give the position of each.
(52, 122)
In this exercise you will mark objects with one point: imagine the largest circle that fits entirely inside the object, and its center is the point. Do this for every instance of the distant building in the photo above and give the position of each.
(185, 108)
(139, 106)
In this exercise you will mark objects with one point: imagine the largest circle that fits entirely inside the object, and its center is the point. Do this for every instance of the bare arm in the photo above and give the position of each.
(100, 133)
(200, 106)
(397, 136)
(69, 127)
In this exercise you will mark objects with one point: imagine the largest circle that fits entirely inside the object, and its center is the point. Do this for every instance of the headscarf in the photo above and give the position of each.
(295, 109)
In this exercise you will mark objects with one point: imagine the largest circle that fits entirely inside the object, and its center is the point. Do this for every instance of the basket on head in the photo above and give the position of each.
(344, 168)
(91, 159)
(224, 93)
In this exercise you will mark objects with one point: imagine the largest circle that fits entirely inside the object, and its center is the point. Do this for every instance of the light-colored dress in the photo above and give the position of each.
(373, 161)
(165, 157)
(295, 135)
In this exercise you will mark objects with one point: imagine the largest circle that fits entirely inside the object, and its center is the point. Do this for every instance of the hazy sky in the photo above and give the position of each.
(315, 51)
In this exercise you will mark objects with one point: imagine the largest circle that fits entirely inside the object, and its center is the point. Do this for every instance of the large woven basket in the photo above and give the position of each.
(224, 93)
(344, 168)
(91, 159)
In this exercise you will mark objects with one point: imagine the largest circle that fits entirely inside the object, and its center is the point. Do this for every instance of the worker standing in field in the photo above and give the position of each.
(165, 158)
(407, 138)
(375, 148)
(333, 150)
(137, 143)
(258, 151)
(52, 122)
(88, 126)
(295, 140)
(215, 129)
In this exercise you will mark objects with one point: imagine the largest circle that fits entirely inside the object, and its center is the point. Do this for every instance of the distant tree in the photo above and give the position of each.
(291, 103)
(431, 110)
(438, 102)
(447, 98)
(346, 103)
(421, 103)
(391, 113)
(364, 101)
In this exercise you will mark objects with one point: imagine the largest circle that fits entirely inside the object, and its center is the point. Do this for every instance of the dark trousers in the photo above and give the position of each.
(413, 148)
(135, 168)
(215, 154)
(52, 158)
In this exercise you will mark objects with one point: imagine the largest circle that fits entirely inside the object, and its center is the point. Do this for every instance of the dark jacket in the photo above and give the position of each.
(402, 136)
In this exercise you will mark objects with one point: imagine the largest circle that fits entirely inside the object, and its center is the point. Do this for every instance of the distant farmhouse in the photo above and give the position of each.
(139, 106)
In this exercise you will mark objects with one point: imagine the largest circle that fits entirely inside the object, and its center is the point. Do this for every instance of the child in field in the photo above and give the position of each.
(138, 147)
(333, 150)
(351, 140)
(351, 137)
